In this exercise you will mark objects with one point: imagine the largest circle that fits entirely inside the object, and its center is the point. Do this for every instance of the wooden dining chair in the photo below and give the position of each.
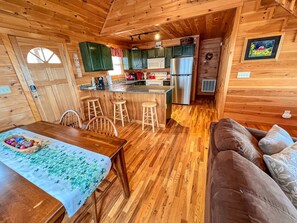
(102, 125)
(71, 118)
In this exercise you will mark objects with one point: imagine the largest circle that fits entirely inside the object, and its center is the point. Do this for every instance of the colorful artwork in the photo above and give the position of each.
(262, 48)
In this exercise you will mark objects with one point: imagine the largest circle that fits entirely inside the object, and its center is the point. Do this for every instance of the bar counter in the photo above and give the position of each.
(135, 95)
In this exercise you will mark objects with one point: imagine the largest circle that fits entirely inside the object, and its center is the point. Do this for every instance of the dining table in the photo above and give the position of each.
(23, 201)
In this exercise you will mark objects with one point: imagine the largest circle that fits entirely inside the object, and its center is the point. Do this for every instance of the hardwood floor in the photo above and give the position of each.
(166, 169)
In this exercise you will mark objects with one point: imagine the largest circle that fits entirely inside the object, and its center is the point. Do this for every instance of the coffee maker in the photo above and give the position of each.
(100, 83)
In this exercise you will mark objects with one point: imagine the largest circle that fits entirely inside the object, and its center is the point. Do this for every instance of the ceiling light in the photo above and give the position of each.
(157, 36)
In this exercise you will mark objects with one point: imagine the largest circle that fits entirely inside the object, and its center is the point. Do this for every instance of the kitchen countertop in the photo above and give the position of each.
(128, 88)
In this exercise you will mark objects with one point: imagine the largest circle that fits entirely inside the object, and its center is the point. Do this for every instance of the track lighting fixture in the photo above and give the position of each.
(157, 36)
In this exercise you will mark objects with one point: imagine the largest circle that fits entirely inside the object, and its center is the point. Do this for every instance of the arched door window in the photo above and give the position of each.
(42, 55)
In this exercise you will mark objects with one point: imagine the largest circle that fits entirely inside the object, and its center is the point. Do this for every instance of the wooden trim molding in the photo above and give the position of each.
(12, 56)
(231, 50)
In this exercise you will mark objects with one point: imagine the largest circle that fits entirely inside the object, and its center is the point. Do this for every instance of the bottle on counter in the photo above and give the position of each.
(93, 82)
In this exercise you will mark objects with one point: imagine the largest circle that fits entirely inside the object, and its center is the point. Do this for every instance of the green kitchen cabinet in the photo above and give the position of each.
(96, 57)
(160, 52)
(127, 60)
(168, 56)
(106, 57)
(188, 50)
(184, 50)
(177, 51)
(151, 53)
(136, 59)
(144, 54)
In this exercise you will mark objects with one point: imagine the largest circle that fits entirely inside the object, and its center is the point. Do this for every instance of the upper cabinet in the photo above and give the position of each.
(96, 57)
(183, 50)
(136, 59)
(168, 56)
(127, 63)
(144, 58)
(156, 53)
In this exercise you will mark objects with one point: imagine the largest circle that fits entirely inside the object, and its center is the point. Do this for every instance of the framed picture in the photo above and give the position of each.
(262, 48)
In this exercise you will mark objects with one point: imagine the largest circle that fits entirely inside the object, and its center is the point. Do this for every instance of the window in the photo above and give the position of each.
(117, 66)
(42, 55)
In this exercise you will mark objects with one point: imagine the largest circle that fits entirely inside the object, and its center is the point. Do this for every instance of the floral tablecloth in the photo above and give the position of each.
(67, 172)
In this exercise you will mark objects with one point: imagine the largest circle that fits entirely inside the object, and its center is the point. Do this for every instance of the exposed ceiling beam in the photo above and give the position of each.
(109, 11)
(153, 12)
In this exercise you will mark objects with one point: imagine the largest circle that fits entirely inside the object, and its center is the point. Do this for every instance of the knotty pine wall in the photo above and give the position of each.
(272, 87)
(14, 108)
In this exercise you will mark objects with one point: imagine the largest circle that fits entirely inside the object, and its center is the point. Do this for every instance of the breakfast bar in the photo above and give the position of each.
(135, 94)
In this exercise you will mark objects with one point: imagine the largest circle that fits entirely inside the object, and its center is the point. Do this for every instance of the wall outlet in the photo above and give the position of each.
(243, 74)
(5, 89)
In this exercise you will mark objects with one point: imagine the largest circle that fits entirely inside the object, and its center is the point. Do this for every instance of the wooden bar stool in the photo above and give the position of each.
(149, 114)
(94, 108)
(120, 111)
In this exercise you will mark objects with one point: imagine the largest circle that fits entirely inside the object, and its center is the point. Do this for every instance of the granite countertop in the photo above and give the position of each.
(128, 88)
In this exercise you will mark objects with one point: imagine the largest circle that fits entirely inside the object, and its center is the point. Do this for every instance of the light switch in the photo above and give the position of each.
(243, 74)
(5, 89)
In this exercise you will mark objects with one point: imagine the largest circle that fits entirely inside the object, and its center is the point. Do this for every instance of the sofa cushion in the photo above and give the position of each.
(230, 135)
(241, 192)
(283, 168)
(275, 141)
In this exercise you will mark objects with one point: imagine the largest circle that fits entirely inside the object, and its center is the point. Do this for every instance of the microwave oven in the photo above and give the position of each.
(156, 63)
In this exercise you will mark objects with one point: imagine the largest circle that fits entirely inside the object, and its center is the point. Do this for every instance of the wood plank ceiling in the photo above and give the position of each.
(63, 18)
(94, 20)
(208, 26)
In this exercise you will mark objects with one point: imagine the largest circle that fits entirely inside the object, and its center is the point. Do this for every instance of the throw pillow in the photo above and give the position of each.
(275, 141)
(230, 135)
(283, 169)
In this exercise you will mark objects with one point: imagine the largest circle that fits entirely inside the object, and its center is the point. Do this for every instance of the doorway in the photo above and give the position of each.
(45, 68)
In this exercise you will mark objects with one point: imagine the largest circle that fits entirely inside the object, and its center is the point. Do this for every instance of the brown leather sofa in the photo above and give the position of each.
(239, 188)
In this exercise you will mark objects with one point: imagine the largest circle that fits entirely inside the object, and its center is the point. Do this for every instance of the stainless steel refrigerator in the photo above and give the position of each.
(181, 78)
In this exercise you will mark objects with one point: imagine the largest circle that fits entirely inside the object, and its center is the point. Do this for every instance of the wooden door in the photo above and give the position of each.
(47, 74)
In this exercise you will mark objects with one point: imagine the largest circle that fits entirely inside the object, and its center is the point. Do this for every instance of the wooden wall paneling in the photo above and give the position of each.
(14, 107)
(70, 76)
(271, 89)
(195, 73)
(12, 56)
(208, 69)
(226, 65)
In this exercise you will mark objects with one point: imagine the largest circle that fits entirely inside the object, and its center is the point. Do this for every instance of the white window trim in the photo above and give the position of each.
(112, 72)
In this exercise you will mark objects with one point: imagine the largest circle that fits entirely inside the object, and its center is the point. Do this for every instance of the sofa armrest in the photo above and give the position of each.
(259, 134)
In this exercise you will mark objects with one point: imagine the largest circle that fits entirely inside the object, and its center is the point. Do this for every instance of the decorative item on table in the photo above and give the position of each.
(264, 48)
(23, 144)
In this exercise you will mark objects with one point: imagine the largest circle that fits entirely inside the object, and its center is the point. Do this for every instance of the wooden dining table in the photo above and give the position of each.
(22, 201)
